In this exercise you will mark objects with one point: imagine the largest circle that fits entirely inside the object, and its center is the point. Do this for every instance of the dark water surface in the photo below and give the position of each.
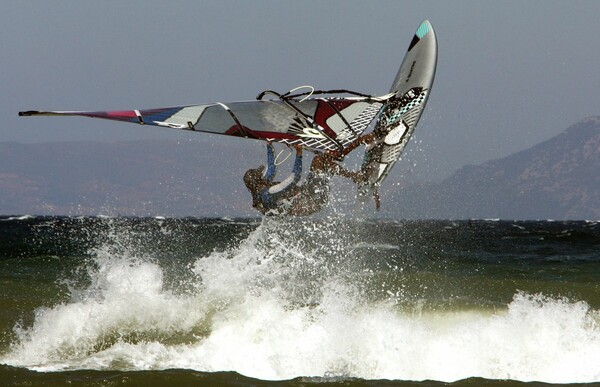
(144, 301)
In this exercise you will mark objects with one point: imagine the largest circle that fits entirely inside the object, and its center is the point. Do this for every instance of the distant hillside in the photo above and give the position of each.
(556, 179)
(131, 178)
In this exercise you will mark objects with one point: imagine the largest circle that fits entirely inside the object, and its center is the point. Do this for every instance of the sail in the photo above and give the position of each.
(319, 124)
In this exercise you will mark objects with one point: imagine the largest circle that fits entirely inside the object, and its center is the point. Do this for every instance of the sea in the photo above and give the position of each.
(112, 301)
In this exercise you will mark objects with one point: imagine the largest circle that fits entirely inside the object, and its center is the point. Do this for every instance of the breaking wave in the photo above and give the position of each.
(295, 298)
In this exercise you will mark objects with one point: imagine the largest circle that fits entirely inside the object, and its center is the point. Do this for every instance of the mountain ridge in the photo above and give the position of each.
(558, 178)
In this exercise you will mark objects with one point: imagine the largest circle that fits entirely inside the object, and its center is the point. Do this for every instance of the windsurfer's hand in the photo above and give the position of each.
(368, 138)
(298, 149)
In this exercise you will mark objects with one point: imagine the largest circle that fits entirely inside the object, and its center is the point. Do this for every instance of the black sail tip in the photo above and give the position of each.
(27, 113)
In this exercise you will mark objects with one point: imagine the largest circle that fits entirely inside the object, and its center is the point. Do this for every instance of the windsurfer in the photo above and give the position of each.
(288, 197)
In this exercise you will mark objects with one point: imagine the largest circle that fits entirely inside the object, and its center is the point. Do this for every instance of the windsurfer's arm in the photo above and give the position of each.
(324, 164)
(337, 169)
(271, 168)
(292, 180)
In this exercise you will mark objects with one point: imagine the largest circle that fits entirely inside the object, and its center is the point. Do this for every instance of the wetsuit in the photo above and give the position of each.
(273, 196)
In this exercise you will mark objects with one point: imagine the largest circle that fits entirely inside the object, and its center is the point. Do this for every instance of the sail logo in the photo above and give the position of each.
(301, 129)
(311, 133)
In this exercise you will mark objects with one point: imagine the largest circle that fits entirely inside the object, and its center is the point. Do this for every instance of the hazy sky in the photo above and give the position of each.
(510, 73)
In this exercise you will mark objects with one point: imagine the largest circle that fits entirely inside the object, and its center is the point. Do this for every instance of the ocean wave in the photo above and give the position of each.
(298, 298)
(20, 217)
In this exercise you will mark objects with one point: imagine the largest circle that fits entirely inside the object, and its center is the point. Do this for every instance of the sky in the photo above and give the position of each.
(510, 73)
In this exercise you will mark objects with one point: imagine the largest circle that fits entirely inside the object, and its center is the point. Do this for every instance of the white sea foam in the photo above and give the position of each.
(22, 217)
(270, 310)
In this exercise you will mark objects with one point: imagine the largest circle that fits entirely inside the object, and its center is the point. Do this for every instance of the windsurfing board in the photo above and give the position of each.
(399, 117)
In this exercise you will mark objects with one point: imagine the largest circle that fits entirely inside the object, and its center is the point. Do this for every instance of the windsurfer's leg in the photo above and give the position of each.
(340, 154)
(356, 177)
(325, 165)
